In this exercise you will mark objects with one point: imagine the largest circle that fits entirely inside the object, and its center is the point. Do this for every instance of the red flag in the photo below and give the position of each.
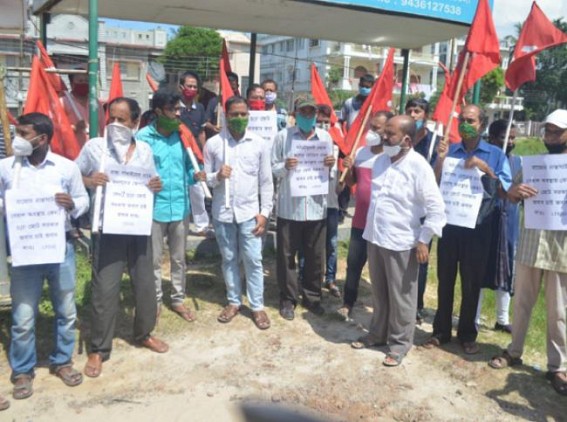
(11, 118)
(380, 98)
(321, 97)
(484, 48)
(538, 34)
(43, 98)
(151, 82)
(224, 57)
(47, 63)
(226, 90)
(115, 90)
(443, 108)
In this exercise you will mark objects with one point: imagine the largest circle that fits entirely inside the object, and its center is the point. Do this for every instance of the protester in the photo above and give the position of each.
(404, 189)
(464, 247)
(171, 205)
(44, 170)
(500, 274)
(301, 220)
(234, 85)
(541, 255)
(360, 173)
(270, 88)
(239, 157)
(256, 98)
(112, 252)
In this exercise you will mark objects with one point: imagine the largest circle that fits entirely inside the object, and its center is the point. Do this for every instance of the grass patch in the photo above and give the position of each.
(529, 146)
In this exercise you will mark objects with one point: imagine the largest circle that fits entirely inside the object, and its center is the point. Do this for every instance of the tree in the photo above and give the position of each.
(491, 85)
(195, 49)
(334, 76)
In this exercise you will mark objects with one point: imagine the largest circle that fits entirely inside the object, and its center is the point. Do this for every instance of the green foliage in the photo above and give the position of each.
(334, 76)
(339, 96)
(491, 84)
(529, 146)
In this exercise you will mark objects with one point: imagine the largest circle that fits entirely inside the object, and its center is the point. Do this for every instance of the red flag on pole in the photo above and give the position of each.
(115, 90)
(47, 63)
(538, 33)
(322, 97)
(226, 90)
(380, 98)
(443, 108)
(43, 98)
(224, 57)
(153, 85)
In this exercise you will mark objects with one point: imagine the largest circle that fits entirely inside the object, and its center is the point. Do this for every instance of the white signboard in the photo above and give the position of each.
(548, 174)
(36, 226)
(263, 124)
(462, 192)
(128, 202)
(310, 177)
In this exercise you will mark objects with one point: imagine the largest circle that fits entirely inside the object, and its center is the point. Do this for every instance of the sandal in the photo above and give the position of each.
(23, 386)
(558, 381)
(93, 367)
(432, 342)
(393, 359)
(333, 289)
(70, 376)
(364, 342)
(504, 361)
(4, 403)
(184, 312)
(228, 313)
(470, 347)
(261, 319)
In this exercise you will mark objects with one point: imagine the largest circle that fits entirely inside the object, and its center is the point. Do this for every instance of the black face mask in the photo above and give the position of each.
(509, 148)
(556, 148)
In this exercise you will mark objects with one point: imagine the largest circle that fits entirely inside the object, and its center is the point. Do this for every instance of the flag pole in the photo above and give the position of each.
(457, 94)
(438, 126)
(510, 120)
(226, 181)
(98, 195)
(357, 140)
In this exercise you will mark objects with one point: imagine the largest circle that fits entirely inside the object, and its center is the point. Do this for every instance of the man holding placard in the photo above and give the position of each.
(301, 159)
(471, 170)
(125, 169)
(542, 252)
(41, 191)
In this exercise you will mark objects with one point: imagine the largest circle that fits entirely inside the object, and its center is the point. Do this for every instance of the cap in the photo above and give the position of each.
(558, 118)
(305, 102)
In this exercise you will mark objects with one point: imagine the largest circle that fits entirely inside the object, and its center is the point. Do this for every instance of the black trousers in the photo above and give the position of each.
(310, 236)
(466, 250)
(111, 253)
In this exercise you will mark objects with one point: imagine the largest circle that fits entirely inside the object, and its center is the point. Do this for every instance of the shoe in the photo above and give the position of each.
(315, 307)
(154, 344)
(470, 347)
(93, 367)
(333, 289)
(183, 312)
(287, 311)
(345, 312)
(507, 328)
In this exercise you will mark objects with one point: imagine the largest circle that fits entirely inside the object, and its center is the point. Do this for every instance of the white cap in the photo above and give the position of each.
(558, 118)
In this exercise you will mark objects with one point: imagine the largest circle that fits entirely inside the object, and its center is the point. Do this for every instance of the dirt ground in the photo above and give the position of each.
(307, 363)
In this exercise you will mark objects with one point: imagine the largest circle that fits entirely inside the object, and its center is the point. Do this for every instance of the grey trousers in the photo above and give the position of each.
(528, 284)
(394, 296)
(111, 253)
(176, 233)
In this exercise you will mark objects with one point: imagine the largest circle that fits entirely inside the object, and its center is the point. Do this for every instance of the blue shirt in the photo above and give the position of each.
(175, 171)
(424, 145)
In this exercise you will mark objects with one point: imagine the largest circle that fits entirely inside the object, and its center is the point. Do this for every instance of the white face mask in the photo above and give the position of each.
(271, 97)
(22, 147)
(392, 150)
(121, 137)
(324, 126)
(373, 138)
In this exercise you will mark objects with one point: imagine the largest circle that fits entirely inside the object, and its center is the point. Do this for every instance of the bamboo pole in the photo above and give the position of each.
(357, 140)
(457, 94)
(510, 120)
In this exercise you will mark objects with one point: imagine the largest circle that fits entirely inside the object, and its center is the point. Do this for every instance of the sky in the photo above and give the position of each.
(506, 14)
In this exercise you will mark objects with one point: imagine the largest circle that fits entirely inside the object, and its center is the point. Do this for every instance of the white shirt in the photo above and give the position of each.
(402, 193)
(251, 172)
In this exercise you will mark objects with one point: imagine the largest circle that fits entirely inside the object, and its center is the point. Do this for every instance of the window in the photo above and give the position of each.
(128, 70)
(270, 48)
(282, 46)
(300, 43)
(313, 43)
(289, 44)
(265, 49)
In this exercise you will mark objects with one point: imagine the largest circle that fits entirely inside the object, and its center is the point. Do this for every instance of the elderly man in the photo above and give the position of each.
(464, 247)
(541, 255)
(404, 190)
(301, 219)
(239, 158)
(41, 169)
(112, 252)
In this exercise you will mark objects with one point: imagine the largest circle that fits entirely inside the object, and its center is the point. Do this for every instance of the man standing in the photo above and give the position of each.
(361, 174)
(542, 255)
(239, 158)
(461, 246)
(42, 168)
(171, 205)
(270, 88)
(404, 190)
(112, 252)
(301, 219)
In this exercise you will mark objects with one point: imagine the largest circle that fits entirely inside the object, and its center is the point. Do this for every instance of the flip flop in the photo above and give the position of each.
(558, 381)
(70, 376)
(261, 320)
(393, 359)
(228, 313)
(364, 342)
(504, 361)
(23, 386)
(93, 367)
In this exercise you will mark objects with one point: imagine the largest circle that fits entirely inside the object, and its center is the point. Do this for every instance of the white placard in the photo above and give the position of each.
(36, 226)
(310, 177)
(462, 192)
(128, 202)
(263, 124)
(548, 174)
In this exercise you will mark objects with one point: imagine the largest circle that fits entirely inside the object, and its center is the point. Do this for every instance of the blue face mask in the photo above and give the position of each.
(364, 91)
(419, 124)
(305, 124)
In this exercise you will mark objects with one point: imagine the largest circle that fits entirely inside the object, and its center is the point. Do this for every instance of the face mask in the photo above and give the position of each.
(419, 124)
(119, 134)
(237, 125)
(364, 91)
(257, 105)
(556, 148)
(189, 93)
(467, 131)
(271, 97)
(392, 150)
(509, 148)
(305, 124)
(22, 147)
(81, 89)
(324, 126)
(373, 138)
(167, 123)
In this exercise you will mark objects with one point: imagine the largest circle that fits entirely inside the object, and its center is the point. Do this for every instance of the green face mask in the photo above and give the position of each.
(168, 124)
(467, 131)
(238, 124)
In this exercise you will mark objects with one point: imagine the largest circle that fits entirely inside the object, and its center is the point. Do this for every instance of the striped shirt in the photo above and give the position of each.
(305, 208)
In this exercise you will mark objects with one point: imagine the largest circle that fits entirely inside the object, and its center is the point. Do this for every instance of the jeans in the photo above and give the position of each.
(237, 243)
(25, 288)
(357, 255)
